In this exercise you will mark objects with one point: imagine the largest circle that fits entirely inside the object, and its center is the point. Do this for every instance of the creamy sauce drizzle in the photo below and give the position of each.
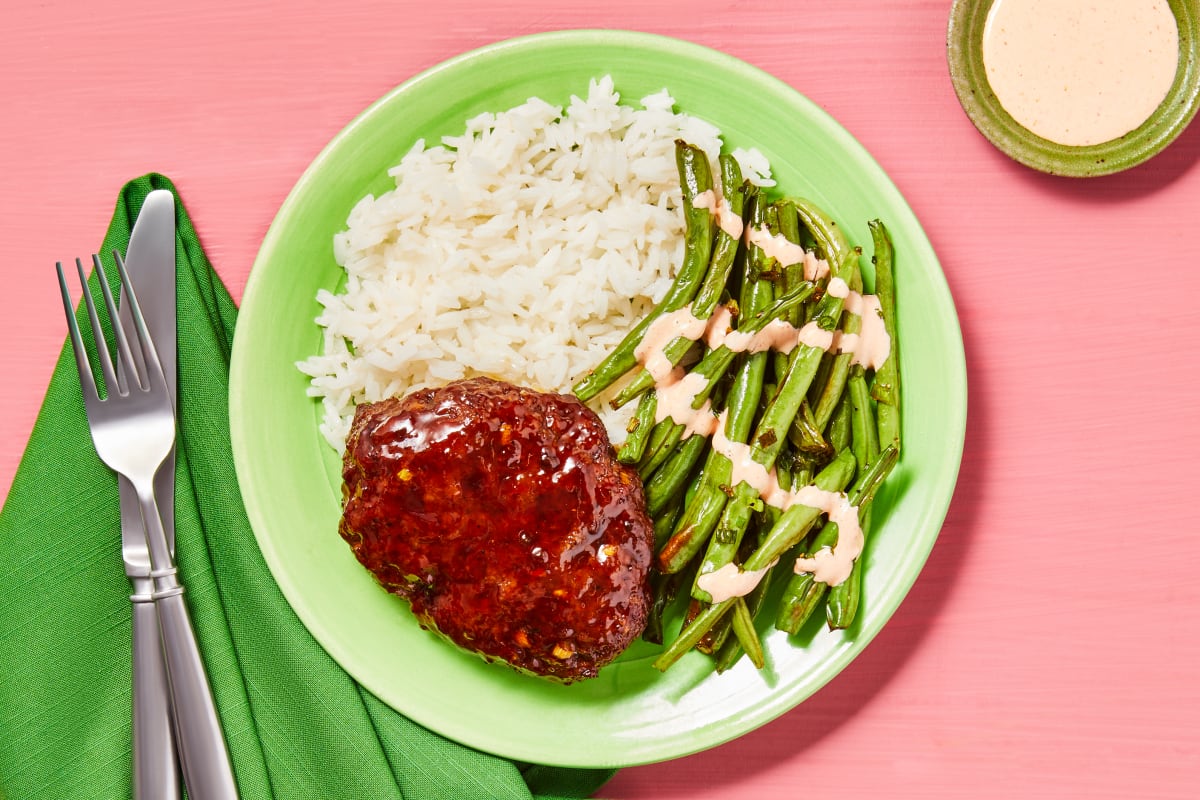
(1080, 73)
(676, 390)
(744, 469)
(832, 565)
(730, 581)
(872, 344)
(787, 253)
(726, 220)
(828, 565)
(650, 353)
(675, 398)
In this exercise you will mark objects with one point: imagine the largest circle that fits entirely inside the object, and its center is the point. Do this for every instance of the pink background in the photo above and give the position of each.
(1049, 649)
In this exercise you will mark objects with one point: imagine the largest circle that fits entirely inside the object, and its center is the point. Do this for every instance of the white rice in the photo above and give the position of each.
(523, 249)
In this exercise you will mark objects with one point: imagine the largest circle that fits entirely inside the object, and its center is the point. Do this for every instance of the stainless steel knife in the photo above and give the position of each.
(150, 260)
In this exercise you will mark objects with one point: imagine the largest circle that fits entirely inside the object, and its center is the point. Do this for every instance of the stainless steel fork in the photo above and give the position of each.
(133, 428)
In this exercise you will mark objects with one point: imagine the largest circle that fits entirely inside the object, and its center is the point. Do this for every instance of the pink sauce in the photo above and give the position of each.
(776, 246)
(726, 220)
(650, 352)
(870, 347)
(787, 253)
(675, 398)
(720, 326)
(729, 581)
(743, 468)
(814, 336)
(831, 566)
(1081, 73)
(676, 392)
(871, 344)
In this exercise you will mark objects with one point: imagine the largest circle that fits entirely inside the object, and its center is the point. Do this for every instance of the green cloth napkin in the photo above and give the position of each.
(297, 725)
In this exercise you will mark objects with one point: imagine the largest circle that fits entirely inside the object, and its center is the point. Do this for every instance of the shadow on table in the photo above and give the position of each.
(1145, 179)
(788, 737)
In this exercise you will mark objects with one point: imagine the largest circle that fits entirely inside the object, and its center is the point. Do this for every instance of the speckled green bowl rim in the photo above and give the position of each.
(964, 48)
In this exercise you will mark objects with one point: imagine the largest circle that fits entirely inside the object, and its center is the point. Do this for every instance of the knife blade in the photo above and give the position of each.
(150, 261)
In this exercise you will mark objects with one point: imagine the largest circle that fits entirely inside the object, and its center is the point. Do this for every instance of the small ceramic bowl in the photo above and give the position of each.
(964, 45)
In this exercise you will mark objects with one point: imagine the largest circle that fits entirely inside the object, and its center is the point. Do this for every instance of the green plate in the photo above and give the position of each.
(289, 477)
(964, 52)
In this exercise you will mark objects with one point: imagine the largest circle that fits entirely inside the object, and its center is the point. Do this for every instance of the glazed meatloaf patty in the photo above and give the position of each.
(504, 518)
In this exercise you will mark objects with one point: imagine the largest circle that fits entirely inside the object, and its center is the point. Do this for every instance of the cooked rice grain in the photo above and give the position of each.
(523, 249)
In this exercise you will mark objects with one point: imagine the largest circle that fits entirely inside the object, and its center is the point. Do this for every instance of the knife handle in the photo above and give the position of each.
(155, 769)
(203, 756)
(207, 771)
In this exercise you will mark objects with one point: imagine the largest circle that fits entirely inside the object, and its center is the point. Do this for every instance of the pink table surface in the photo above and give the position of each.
(1050, 647)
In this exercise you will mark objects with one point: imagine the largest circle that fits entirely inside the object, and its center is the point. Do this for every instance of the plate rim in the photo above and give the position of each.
(779, 702)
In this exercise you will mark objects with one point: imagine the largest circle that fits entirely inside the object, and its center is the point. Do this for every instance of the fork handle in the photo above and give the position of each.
(155, 768)
(203, 756)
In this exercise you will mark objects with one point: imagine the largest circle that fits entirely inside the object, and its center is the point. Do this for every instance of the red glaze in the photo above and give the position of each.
(502, 515)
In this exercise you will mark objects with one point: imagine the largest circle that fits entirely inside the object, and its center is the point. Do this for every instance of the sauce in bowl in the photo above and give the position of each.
(1080, 72)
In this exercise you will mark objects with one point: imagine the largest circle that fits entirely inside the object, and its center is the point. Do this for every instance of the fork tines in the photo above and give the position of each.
(112, 382)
